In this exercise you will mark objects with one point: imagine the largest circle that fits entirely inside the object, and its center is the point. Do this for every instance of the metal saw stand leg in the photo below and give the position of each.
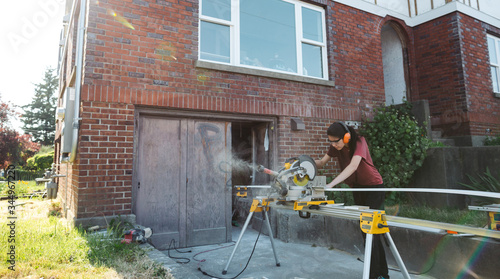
(271, 237)
(256, 207)
(368, 256)
(375, 223)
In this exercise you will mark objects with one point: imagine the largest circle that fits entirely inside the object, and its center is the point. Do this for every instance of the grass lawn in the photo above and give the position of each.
(47, 246)
(22, 188)
(464, 217)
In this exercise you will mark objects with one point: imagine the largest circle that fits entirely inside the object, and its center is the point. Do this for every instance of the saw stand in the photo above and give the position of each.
(258, 205)
(375, 223)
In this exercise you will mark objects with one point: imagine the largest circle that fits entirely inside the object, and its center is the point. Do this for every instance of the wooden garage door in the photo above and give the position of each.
(181, 180)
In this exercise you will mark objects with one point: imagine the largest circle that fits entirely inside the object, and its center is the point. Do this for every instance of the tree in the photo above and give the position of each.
(38, 117)
(8, 143)
(6, 112)
(14, 148)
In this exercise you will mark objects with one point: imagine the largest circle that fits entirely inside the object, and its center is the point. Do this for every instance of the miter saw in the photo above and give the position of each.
(297, 182)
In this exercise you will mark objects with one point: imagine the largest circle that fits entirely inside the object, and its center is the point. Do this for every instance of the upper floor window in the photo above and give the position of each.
(494, 51)
(278, 35)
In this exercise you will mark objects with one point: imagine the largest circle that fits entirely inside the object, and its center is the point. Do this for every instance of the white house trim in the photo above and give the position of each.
(425, 17)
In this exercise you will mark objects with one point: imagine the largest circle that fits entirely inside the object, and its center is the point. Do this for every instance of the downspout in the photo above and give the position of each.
(78, 79)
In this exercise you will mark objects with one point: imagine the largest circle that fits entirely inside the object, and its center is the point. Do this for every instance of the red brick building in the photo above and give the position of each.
(160, 96)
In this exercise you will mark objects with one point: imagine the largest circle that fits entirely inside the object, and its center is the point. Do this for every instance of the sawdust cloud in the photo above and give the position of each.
(232, 163)
(239, 164)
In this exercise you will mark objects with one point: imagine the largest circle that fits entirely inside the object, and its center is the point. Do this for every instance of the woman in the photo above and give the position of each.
(358, 171)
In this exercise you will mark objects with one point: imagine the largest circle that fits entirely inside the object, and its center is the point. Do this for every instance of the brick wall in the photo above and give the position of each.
(152, 64)
(69, 55)
(67, 189)
(143, 53)
(313, 141)
(453, 74)
(484, 108)
(104, 164)
(354, 37)
(441, 74)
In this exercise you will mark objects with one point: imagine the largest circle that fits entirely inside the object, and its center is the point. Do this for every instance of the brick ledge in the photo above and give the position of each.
(263, 73)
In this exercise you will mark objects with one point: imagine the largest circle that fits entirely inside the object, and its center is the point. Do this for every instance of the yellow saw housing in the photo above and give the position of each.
(309, 170)
(301, 181)
(297, 182)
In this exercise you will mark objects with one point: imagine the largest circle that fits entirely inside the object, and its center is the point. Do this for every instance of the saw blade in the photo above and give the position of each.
(300, 181)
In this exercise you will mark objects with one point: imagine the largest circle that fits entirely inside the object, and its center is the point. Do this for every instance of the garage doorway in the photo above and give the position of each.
(185, 169)
(252, 145)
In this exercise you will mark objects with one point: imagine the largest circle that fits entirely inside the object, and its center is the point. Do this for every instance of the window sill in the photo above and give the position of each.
(496, 95)
(262, 73)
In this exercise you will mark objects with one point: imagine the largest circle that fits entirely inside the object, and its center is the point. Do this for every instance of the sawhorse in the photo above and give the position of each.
(258, 205)
(375, 223)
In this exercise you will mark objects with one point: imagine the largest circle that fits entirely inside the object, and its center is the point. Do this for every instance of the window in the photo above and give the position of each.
(285, 36)
(494, 51)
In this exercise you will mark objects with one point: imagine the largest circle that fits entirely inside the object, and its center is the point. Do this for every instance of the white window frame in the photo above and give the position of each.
(234, 25)
(496, 48)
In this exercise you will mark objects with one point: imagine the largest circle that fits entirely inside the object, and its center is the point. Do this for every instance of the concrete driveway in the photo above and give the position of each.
(296, 260)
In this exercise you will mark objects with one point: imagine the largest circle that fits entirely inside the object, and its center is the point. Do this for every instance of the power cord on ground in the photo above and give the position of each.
(180, 260)
(200, 261)
(253, 250)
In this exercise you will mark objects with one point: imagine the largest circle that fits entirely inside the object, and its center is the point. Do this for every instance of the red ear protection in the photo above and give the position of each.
(347, 135)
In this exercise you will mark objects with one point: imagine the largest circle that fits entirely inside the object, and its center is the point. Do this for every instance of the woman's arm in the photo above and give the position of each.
(350, 169)
(321, 163)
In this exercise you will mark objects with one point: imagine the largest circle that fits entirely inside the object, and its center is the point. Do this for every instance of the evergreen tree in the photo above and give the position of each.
(38, 117)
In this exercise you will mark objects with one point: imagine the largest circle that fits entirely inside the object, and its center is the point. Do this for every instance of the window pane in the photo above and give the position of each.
(498, 51)
(217, 8)
(494, 77)
(267, 34)
(214, 42)
(491, 49)
(311, 59)
(311, 25)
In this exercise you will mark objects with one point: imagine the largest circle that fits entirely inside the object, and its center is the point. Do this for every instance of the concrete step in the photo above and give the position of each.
(436, 134)
(447, 142)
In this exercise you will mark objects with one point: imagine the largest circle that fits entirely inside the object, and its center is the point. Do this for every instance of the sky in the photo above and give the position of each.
(30, 34)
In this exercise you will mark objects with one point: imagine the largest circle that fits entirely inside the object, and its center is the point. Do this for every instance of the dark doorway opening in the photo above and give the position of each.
(252, 144)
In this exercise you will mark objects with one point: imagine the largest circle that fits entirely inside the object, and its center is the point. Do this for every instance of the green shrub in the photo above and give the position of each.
(30, 163)
(489, 141)
(486, 183)
(437, 144)
(40, 161)
(398, 146)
